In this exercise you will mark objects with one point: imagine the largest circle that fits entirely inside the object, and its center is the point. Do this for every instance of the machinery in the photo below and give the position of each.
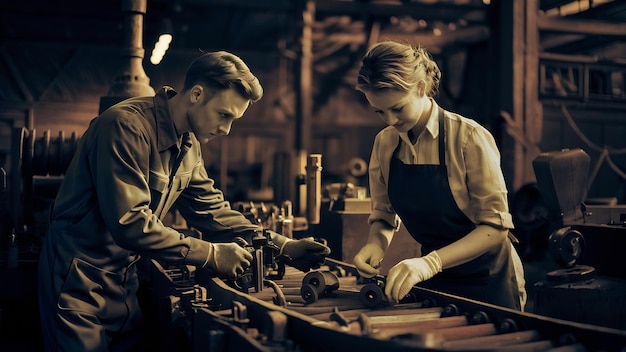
(276, 307)
(332, 309)
(586, 240)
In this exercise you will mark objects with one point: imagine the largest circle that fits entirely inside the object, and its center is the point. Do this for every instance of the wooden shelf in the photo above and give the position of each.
(589, 83)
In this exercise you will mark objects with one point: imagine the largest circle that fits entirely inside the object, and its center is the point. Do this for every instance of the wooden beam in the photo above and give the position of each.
(252, 5)
(587, 26)
(517, 109)
(551, 41)
(15, 72)
(468, 35)
(305, 79)
(434, 44)
(586, 59)
(59, 73)
(533, 110)
(440, 11)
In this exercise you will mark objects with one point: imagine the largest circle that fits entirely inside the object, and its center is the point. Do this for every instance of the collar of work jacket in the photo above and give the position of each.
(166, 134)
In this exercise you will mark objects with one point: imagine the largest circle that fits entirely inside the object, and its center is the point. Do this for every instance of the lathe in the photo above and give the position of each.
(280, 308)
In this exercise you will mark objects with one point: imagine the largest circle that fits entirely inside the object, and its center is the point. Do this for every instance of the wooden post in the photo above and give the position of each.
(304, 100)
(304, 106)
(533, 110)
(518, 40)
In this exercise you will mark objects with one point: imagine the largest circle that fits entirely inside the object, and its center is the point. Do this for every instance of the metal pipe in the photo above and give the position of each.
(131, 80)
(314, 188)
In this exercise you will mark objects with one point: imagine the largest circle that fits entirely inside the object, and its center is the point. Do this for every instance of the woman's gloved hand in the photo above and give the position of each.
(304, 254)
(228, 260)
(367, 261)
(409, 272)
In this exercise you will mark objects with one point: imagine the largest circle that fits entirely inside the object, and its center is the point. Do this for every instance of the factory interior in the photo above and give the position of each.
(547, 78)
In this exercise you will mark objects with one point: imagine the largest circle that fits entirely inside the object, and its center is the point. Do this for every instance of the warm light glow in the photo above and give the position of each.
(574, 7)
(160, 47)
(166, 38)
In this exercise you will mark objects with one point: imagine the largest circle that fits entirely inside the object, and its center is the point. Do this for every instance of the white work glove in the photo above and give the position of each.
(304, 254)
(367, 261)
(409, 272)
(228, 260)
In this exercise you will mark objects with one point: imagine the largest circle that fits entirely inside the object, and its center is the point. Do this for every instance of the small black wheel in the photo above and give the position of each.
(371, 295)
(450, 310)
(315, 278)
(309, 293)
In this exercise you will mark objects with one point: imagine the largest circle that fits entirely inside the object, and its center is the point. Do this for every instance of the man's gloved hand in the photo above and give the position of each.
(404, 275)
(367, 261)
(304, 254)
(228, 260)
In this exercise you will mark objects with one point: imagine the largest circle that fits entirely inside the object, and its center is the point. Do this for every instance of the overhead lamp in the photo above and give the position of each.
(163, 41)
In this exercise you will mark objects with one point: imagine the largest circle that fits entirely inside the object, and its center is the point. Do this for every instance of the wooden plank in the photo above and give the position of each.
(586, 26)
(519, 9)
(533, 112)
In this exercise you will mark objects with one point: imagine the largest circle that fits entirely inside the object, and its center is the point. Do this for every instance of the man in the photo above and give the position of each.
(134, 162)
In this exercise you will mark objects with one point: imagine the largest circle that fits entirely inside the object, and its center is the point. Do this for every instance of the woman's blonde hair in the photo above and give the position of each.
(391, 64)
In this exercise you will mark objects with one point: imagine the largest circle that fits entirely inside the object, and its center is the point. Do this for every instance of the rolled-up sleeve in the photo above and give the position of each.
(485, 181)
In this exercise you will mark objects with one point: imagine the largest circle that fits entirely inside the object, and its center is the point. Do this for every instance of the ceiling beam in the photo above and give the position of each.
(449, 12)
(17, 76)
(548, 42)
(251, 5)
(587, 26)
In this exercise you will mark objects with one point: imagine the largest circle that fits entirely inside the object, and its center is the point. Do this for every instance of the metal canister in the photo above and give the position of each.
(314, 188)
(286, 223)
(12, 252)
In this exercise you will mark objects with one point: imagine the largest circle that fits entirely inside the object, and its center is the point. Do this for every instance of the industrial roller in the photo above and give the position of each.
(43, 155)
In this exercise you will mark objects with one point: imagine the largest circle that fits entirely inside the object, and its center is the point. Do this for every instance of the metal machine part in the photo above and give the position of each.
(314, 188)
(587, 242)
(566, 246)
(562, 181)
(435, 321)
(284, 220)
(317, 284)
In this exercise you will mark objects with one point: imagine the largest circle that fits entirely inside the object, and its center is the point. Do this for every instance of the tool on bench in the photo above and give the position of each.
(264, 252)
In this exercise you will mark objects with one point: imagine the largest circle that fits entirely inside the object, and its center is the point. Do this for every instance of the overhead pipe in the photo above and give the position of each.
(131, 81)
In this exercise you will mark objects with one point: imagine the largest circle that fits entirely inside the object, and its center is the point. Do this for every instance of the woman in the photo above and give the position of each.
(438, 173)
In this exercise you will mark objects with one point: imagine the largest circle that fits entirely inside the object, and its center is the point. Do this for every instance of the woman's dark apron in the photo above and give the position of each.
(421, 196)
